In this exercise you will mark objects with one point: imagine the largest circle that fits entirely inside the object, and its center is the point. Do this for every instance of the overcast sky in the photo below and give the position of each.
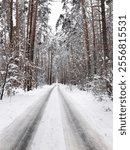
(56, 10)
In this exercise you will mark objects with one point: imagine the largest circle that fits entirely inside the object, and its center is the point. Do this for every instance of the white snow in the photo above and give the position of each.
(99, 114)
(56, 9)
(51, 132)
(2, 72)
(14, 106)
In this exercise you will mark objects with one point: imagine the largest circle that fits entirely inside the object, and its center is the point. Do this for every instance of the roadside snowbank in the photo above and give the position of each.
(98, 113)
(12, 107)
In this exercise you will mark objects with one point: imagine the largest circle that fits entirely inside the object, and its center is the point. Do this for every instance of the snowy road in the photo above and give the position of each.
(18, 135)
(53, 123)
(79, 135)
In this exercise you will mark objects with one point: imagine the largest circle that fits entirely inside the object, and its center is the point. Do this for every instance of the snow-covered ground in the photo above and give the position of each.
(55, 131)
(50, 134)
(12, 107)
(97, 111)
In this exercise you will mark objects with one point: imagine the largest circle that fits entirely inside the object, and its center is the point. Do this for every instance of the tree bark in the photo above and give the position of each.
(3, 87)
(104, 32)
(17, 28)
(31, 32)
(94, 38)
(11, 21)
(86, 39)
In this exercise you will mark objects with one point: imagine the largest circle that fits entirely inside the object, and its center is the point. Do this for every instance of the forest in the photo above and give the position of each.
(79, 53)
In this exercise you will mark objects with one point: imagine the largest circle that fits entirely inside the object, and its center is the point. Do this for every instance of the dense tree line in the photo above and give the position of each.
(23, 28)
(85, 31)
(80, 53)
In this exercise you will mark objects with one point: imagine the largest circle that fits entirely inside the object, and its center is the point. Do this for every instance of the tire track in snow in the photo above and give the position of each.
(50, 135)
(83, 137)
(18, 135)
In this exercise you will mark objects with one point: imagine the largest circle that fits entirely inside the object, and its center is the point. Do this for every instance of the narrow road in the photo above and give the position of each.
(18, 135)
(79, 135)
(52, 124)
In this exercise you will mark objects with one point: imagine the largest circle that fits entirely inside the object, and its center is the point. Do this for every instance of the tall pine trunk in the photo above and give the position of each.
(94, 38)
(31, 32)
(104, 32)
(17, 28)
(11, 21)
(105, 44)
(86, 39)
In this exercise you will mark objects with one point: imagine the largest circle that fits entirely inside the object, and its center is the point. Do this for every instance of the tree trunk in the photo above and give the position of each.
(11, 21)
(94, 39)
(3, 87)
(31, 32)
(104, 32)
(105, 44)
(86, 39)
(17, 28)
